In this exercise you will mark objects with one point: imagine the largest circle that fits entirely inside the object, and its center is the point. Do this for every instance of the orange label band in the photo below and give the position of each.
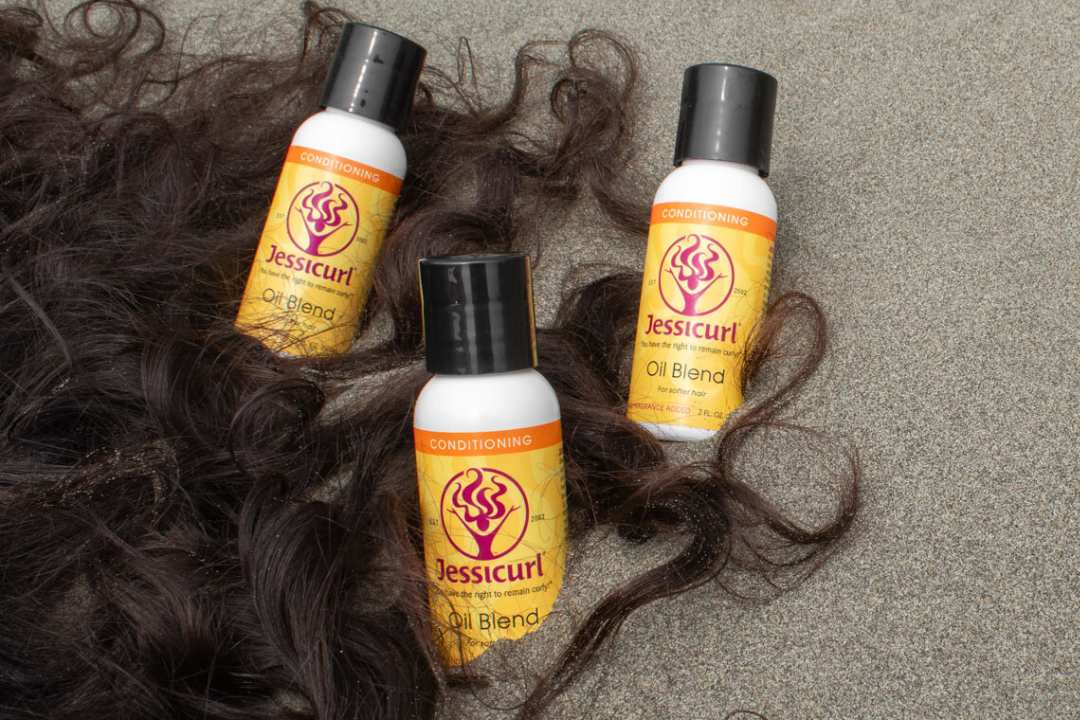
(714, 215)
(492, 443)
(495, 533)
(344, 167)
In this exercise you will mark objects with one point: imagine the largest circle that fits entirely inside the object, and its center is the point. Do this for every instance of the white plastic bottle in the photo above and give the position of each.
(709, 257)
(488, 456)
(338, 187)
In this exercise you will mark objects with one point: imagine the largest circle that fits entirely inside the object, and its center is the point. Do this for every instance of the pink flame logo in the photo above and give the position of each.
(489, 506)
(323, 219)
(696, 275)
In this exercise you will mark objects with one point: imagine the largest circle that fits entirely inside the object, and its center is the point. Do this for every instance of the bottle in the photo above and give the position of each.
(337, 192)
(488, 456)
(709, 256)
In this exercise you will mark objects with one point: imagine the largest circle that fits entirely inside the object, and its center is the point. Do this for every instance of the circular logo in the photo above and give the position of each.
(323, 219)
(484, 513)
(696, 275)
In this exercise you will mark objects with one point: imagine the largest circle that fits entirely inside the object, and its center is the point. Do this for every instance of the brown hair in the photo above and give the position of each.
(193, 526)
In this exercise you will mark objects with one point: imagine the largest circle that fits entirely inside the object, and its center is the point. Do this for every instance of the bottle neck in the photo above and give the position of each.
(490, 375)
(721, 163)
(353, 116)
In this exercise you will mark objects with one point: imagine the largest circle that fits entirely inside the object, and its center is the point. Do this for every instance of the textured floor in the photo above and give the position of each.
(927, 169)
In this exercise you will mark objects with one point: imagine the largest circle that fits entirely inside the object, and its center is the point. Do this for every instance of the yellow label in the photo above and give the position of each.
(312, 271)
(705, 284)
(495, 534)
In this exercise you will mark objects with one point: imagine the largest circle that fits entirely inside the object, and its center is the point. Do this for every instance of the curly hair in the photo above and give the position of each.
(192, 526)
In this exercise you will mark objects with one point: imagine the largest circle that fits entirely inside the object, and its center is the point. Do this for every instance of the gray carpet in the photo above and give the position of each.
(927, 168)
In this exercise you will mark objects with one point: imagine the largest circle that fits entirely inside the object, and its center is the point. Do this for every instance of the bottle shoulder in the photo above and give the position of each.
(486, 403)
(717, 183)
(353, 137)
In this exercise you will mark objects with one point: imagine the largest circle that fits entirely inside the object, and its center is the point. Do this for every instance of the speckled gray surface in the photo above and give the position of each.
(927, 169)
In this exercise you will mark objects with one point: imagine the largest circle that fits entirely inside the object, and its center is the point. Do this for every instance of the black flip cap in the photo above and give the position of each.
(373, 74)
(478, 313)
(726, 114)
